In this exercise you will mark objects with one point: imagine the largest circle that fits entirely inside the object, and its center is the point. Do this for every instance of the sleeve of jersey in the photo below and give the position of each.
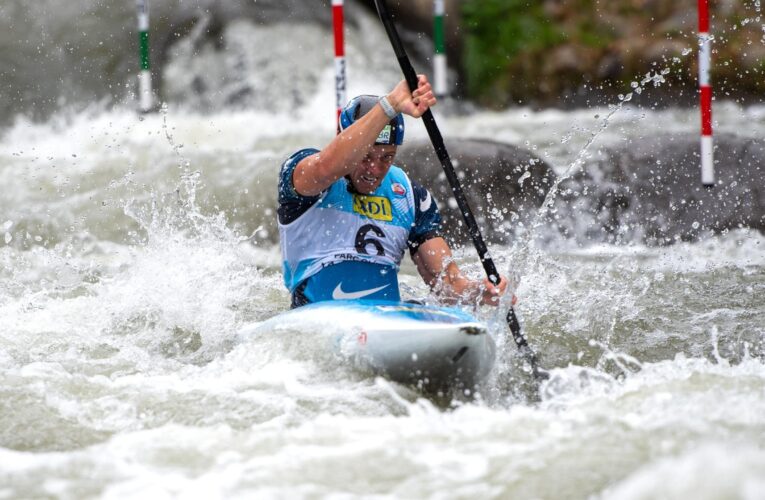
(427, 218)
(291, 204)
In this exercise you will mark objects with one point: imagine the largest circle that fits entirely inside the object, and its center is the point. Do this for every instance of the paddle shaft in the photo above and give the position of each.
(438, 144)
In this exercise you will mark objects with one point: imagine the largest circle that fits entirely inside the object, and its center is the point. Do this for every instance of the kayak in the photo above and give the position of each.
(430, 348)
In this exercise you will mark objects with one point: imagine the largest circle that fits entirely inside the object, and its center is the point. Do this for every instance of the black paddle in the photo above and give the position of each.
(459, 195)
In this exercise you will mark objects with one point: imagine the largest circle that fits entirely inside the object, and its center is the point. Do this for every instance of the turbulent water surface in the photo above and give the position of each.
(134, 250)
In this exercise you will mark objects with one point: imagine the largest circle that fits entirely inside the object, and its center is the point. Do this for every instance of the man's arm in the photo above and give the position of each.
(434, 263)
(317, 172)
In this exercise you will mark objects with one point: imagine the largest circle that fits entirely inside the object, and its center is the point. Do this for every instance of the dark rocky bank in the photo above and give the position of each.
(647, 190)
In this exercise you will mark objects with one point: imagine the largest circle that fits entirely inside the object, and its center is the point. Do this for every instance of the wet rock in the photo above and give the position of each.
(651, 190)
(504, 184)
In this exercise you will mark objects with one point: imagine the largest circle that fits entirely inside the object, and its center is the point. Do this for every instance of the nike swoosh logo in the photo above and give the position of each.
(425, 204)
(339, 294)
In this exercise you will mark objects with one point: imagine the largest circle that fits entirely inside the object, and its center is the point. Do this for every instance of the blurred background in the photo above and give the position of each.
(503, 56)
(561, 53)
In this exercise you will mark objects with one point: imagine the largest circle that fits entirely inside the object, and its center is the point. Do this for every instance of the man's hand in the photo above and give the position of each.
(435, 265)
(491, 293)
(416, 103)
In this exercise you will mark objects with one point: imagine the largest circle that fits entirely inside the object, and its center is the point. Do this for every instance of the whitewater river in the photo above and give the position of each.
(133, 250)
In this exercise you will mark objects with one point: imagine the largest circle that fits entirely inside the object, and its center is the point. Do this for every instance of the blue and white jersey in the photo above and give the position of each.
(343, 240)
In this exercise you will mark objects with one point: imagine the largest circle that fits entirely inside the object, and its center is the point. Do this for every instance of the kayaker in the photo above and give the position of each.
(347, 214)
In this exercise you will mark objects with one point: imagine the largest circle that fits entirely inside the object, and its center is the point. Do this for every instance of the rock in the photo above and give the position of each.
(651, 190)
(504, 184)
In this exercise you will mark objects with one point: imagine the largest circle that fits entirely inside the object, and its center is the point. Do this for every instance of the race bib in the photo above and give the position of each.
(374, 207)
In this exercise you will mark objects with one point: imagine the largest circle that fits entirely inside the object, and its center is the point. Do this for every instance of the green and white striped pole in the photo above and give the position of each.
(439, 58)
(145, 97)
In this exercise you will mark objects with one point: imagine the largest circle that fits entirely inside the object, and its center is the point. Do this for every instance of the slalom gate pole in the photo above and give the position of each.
(145, 97)
(340, 77)
(439, 44)
(705, 87)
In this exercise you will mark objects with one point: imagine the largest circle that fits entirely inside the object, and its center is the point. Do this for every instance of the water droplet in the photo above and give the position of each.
(695, 224)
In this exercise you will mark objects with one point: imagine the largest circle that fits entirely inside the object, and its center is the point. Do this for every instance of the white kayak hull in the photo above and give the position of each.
(433, 349)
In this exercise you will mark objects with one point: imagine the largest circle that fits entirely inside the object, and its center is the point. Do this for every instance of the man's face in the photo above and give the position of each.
(373, 168)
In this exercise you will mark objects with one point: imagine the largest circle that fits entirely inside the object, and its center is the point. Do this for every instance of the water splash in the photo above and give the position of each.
(523, 256)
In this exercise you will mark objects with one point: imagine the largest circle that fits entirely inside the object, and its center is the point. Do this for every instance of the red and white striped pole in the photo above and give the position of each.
(705, 63)
(340, 81)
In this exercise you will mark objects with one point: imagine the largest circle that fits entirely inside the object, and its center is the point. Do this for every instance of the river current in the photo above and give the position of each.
(133, 249)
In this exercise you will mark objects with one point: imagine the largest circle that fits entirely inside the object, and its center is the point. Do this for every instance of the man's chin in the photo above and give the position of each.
(365, 188)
